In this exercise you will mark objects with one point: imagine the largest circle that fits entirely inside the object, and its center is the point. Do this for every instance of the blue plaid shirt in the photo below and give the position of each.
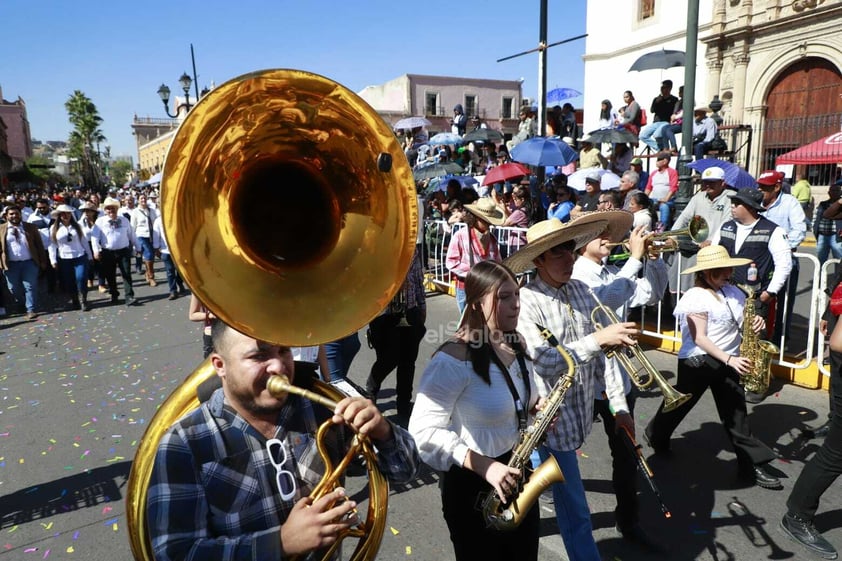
(213, 493)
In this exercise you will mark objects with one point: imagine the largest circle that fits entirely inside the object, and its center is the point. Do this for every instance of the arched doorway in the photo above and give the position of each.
(803, 105)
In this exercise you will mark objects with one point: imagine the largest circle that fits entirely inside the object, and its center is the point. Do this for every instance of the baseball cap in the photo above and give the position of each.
(713, 174)
(594, 177)
(636, 162)
(770, 177)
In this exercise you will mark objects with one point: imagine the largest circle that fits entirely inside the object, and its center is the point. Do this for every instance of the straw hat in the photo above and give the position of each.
(486, 209)
(88, 205)
(63, 208)
(619, 223)
(111, 201)
(714, 257)
(549, 233)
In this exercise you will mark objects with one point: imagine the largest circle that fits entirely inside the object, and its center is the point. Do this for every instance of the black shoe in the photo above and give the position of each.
(752, 397)
(85, 306)
(802, 530)
(663, 449)
(637, 536)
(173, 296)
(114, 298)
(763, 478)
(820, 432)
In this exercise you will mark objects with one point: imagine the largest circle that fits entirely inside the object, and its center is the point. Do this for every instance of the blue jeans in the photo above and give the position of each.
(22, 280)
(74, 274)
(173, 278)
(571, 508)
(665, 212)
(649, 132)
(340, 353)
(146, 249)
(461, 299)
(668, 134)
(828, 244)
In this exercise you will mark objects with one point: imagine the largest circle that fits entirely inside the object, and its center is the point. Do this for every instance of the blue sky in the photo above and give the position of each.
(119, 52)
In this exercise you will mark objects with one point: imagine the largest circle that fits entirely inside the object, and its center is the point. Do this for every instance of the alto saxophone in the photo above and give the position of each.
(509, 516)
(757, 351)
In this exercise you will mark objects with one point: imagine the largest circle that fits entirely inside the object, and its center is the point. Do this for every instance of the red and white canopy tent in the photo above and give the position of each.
(827, 150)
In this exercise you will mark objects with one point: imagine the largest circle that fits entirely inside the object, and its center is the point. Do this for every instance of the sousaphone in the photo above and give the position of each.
(290, 211)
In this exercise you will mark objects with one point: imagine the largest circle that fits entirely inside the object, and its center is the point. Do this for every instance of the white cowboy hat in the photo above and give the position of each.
(714, 257)
(486, 209)
(63, 208)
(549, 233)
(111, 201)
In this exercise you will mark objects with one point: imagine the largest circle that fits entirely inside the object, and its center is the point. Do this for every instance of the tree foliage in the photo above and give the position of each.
(120, 171)
(85, 138)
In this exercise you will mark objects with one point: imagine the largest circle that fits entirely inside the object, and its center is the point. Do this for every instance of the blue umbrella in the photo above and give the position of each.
(558, 95)
(445, 138)
(464, 180)
(541, 151)
(735, 176)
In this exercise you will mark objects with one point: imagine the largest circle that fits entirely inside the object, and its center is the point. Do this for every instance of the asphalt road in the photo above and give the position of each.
(77, 390)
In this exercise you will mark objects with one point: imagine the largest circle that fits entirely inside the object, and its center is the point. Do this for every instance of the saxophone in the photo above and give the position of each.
(759, 352)
(508, 516)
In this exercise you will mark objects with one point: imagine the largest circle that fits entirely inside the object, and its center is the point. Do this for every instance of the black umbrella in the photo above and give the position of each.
(662, 59)
(612, 136)
(483, 135)
(437, 170)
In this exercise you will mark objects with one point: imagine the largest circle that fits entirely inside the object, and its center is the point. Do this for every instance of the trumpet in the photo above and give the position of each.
(698, 231)
(638, 366)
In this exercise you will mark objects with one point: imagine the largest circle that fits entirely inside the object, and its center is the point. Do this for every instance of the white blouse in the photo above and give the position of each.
(62, 248)
(456, 411)
(724, 318)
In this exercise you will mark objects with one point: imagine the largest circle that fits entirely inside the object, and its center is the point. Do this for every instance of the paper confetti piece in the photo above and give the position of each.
(106, 510)
(114, 526)
(394, 531)
(46, 554)
(47, 526)
(408, 550)
(70, 549)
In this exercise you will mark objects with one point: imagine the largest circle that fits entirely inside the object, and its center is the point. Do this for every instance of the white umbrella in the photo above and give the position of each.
(608, 179)
(155, 178)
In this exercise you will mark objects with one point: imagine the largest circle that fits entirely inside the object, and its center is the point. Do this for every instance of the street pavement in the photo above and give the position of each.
(78, 389)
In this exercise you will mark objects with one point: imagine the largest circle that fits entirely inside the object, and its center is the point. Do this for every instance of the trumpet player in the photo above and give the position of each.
(619, 289)
(712, 319)
(563, 304)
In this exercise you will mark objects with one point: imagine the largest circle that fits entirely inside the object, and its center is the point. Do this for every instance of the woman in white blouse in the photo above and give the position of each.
(70, 254)
(473, 396)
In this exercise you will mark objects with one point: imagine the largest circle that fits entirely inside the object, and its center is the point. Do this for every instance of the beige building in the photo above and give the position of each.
(775, 65)
(495, 102)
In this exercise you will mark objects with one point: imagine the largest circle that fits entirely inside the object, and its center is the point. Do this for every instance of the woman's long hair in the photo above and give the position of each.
(642, 200)
(605, 111)
(73, 223)
(485, 277)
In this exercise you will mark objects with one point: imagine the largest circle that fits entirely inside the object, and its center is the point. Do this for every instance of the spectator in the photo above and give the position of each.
(662, 188)
(555, 125)
(827, 231)
(641, 207)
(801, 191)
(662, 109)
(459, 122)
(588, 201)
(525, 129)
(608, 117)
(667, 140)
(590, 156)
(517, 216)
(565, 201)
(704, 131)
(636, 165)
(628, 187)
(621, 157)
(569, 126)
(630, 114)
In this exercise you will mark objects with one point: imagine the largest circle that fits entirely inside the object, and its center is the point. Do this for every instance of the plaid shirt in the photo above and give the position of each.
(550, 307)
(213, 494)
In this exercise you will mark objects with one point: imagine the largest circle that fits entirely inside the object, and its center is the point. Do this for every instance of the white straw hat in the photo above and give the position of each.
(549, 233)
(714, 257)
(486, 209)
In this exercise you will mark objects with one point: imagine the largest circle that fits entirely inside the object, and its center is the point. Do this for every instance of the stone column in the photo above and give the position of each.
(714, 86)
(739, 100)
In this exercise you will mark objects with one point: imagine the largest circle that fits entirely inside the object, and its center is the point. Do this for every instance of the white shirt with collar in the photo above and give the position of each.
(112, 236)
(142, 220)
(62, 248)
(16, 245)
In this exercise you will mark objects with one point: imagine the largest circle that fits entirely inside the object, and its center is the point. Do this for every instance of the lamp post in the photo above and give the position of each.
(164, 92)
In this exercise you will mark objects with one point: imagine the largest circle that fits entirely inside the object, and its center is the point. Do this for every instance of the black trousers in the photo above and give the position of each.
(729, 395)
(396, 347)
(823, 469)
(461, 492)
(113, 259)
(623, 465)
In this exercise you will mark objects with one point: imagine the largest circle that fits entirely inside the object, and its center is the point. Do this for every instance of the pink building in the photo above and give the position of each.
(495, 102)
(18, 137)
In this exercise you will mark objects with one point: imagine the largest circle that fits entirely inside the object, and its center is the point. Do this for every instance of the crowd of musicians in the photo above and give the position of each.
(232, 479)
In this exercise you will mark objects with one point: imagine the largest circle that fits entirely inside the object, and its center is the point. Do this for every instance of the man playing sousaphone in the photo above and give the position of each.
(564, 305)
(231, 478)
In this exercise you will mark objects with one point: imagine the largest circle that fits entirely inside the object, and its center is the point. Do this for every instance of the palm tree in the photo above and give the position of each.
(83, 115)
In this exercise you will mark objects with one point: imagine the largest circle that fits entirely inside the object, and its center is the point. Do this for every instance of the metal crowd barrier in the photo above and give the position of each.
(652, 318)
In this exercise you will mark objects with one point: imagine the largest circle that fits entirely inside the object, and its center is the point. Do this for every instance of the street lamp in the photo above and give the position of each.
(164, 92)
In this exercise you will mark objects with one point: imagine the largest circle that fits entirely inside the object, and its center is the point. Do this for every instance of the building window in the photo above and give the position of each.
(470, 105)
(647, 9)
(508, 103)
(431, 103)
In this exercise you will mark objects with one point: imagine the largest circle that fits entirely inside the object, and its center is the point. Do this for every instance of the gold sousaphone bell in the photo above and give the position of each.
(290, 211)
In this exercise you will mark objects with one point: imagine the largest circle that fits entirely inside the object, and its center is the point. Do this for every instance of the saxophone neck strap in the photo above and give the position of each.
(520, 405)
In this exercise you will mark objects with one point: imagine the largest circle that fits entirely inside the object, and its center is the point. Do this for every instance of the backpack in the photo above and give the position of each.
(643, 119)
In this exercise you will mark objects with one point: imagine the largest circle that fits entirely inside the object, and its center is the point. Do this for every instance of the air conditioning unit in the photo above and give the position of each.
(526, 102)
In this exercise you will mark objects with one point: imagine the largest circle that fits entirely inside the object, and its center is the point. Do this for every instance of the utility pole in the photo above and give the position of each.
(685, 177)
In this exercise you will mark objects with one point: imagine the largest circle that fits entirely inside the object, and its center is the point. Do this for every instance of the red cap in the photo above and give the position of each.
(770, 177)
